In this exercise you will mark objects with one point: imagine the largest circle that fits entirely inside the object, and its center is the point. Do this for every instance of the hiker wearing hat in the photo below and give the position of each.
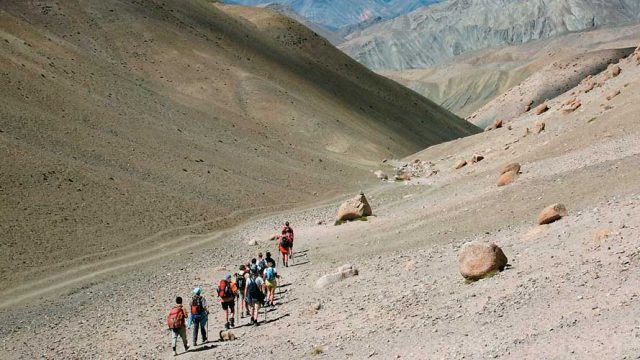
(199, 315)
(227, 291)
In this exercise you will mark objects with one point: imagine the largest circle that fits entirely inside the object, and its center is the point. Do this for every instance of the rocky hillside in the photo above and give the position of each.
(125, 125)
(432, 35)
(472, 80)
(336, 14)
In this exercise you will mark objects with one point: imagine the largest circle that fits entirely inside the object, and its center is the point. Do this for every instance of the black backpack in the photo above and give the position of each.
(196, 305)
(285, 243)
(254, 290)
(241, 282)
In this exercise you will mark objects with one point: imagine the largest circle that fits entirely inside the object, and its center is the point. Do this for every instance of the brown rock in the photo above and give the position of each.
(527, 108)
(526, 132)
(403, 176)
(496, 125)
(589, 86)
(570, 101)
(613, 94)
(478, 259)
(460, 164)
(513, 167)
(614, 70)
(354, 208)
(476, 158)
(571, 107)
(540, 109)
(540, 126)
(552, 213)
(507, 178)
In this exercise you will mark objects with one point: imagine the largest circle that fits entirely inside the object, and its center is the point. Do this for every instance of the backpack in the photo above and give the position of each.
(224, 289)
(254, 269)
(241, 282)
(285, 243)
(262, 264)
(196, 305)
(270, 274)
(175, 319)
(254, 291)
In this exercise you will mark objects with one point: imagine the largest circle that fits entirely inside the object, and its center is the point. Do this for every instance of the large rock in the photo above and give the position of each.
(552, 213)
(460, 164)
(478, 259)
(354, 208)
(476, 158)
(508, 174)
(343, 272)
(381, 175)
(540, 126)
(540, 109)
(496, 125)
(614, 70)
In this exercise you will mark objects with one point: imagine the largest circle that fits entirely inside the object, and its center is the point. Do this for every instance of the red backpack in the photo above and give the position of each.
(175, 319)
(224, 289)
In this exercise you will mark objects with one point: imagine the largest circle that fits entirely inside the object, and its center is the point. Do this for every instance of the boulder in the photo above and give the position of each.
(252, 242)
(540, 126)
(496, 125)
(507, 178)
(476, 158)
(571, 107)
(315, 306)
(613, 94)
(478, 259)
(381, 175)
(614, 70)
(460, 164)
(552, 213)
(403, 176)
(526, 132)
(508, 174)
(343, 272)
(589, 86)
(354, 208)
(540, 109)
(510, 167)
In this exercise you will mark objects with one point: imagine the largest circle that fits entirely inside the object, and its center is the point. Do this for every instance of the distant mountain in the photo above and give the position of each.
(336, 14)
(432, 35)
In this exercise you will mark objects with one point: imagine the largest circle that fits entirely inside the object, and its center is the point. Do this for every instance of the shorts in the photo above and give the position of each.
(228, 305)
(284, 250)
(271, 284)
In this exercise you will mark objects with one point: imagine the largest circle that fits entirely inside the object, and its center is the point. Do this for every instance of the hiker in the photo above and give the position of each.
(177, 325)
(271, 282)
(262, 264)
(284, 245)
(253, 268)
(199, 315)
(241, 282)
(287, 230)
(254, 296)
(227, 291)
(268, 259)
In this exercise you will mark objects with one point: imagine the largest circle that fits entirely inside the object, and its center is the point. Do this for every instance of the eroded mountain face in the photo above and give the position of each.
(336, 14)
(432, 35)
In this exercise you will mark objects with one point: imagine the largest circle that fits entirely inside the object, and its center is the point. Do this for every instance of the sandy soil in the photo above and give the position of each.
(570, 292)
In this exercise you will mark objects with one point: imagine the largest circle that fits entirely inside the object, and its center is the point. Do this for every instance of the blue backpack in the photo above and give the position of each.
(270, 274)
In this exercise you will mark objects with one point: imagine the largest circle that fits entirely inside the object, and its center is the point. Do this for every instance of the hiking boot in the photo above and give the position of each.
(175, 353)
(232, 323)
(257, 323)
(226, 326)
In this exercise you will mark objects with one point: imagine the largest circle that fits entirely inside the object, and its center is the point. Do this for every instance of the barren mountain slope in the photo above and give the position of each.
(125, 124)
(432, 35)
(471, 80)
(568, 283)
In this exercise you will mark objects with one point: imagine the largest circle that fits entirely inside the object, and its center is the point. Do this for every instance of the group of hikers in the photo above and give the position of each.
(253, 286)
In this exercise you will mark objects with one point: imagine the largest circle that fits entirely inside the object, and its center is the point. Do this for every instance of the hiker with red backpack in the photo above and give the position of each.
(227, 291)
(288, 231)
(199, 315)
(284, 244)
(176, 321)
